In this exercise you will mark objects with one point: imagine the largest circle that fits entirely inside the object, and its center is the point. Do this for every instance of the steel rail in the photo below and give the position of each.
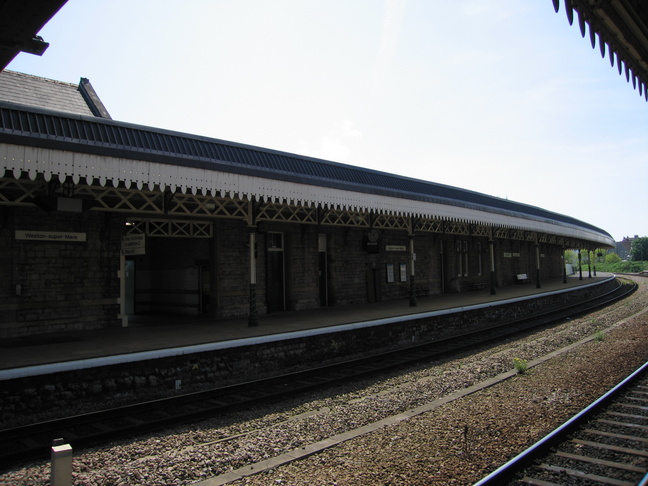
(506, 472)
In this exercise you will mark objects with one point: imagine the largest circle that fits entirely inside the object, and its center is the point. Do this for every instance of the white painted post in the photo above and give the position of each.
(253, 319)
(61, 474)
(122, 290)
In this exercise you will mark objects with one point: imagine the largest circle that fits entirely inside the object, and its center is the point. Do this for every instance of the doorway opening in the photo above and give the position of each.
(275, 274)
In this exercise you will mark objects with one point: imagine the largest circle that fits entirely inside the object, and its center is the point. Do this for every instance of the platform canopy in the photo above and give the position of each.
(36, 143)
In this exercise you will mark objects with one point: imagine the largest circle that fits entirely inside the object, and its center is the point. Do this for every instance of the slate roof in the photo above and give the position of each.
(35, 91)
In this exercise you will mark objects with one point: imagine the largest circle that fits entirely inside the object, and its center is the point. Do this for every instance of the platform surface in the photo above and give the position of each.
(163, 332)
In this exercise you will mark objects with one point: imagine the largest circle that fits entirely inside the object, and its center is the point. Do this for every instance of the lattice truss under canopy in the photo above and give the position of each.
(158, 213)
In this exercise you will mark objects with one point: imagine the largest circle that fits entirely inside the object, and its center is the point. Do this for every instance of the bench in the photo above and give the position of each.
(421, 292)
(522, 278)
(476, 285)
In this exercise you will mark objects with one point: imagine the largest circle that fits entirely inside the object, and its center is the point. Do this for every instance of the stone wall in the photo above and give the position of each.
(41, 397)
(51, 286)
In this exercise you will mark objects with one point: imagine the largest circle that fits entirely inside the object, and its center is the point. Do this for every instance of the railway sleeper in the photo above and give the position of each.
(558, 473)
(596, 466)
(611, 447)
(603, 462)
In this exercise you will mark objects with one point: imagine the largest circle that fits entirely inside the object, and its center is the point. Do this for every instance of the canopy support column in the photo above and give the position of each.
(564, 265)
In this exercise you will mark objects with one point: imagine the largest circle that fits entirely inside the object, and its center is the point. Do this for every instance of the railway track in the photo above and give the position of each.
(33, 441)
(606, 443)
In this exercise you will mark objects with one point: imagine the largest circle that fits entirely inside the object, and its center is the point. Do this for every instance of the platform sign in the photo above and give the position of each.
(133, 245)
(50, 236)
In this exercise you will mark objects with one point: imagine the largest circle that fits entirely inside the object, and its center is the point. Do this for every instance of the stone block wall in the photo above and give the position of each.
(50, 286)
(41, 397)
(232, 268)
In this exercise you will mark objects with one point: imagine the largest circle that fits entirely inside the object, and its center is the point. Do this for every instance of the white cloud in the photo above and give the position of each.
(337, 144)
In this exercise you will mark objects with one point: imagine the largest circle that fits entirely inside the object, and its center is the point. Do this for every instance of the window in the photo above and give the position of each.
(275, 241)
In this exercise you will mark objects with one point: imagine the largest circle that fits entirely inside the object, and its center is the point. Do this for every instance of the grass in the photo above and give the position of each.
(621, 267)
(521, 365)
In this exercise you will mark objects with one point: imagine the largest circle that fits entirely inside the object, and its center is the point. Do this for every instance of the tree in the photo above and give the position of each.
(571, 257)
(639, 250)
(612, 258)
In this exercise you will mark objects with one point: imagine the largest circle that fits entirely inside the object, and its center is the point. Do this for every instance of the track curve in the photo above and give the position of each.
(32, 441)
(605, 443)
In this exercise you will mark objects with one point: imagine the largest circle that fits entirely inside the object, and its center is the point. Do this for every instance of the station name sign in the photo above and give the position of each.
(50, 236)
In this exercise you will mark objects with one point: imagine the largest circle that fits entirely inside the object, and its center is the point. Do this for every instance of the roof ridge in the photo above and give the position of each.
(55, 81)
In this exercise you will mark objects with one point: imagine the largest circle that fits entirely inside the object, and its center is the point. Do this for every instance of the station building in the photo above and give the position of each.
(102, 222)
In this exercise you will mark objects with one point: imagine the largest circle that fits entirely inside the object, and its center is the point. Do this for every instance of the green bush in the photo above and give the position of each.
(621, 267)
(612, 258)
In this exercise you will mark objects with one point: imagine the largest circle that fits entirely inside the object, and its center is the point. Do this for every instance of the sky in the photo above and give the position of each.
(500, 97)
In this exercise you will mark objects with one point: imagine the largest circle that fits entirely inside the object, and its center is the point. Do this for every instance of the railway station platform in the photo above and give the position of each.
(147, 335)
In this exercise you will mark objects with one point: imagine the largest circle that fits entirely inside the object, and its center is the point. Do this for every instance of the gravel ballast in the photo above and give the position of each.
(456, 443)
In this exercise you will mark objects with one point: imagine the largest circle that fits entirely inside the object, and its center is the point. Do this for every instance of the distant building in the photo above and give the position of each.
(624, 247)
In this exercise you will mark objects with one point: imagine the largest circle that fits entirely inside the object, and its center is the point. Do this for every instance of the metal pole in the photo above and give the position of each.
(537, 246)
(491, 247)
(580, 266)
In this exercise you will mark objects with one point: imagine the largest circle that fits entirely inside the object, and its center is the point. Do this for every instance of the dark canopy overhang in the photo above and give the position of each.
(622, 30)
(20, 22)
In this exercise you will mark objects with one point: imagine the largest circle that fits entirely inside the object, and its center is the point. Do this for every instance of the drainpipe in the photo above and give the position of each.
(537, 248)
(491, 247)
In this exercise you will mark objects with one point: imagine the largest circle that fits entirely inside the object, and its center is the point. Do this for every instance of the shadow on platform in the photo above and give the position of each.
(147, 333)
